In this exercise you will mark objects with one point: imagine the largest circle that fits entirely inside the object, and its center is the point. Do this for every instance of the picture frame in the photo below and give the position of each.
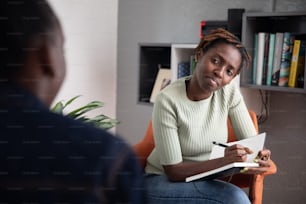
(163, 79)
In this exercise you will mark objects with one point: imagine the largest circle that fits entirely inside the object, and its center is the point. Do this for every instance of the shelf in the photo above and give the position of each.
(155, 55)
(152, 56)
(274, 88)
(254, 22)
(180, 53)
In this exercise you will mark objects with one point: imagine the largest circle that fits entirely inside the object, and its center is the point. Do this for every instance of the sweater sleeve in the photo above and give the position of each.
(166, 139)
(239, 115)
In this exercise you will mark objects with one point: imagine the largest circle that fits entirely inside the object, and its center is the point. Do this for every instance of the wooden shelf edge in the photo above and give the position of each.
(274, 88)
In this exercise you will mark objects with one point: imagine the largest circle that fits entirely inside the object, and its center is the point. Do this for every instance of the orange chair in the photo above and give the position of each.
(253, 182)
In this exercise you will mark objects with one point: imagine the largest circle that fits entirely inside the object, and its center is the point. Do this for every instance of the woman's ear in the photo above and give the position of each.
(197, 56)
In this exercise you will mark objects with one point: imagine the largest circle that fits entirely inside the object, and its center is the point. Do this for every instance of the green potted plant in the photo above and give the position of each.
(101, 120)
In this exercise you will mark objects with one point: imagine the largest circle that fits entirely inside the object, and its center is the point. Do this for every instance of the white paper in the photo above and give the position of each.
(255, 143)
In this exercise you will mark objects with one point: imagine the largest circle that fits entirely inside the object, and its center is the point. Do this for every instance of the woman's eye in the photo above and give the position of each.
(215, 60)
(230, 72)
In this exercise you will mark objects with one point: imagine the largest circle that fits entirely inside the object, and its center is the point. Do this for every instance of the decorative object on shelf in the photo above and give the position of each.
(206, 26)
(202, 27)
(233, 23)
(162, 80)
(101, 120)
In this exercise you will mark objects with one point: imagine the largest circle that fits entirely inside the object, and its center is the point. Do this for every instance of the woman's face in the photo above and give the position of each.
(217, 66)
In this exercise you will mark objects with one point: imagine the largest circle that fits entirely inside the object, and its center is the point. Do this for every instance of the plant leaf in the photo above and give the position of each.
(100, 121)
(100, 118)
(107, 125)
(70, 101)
(84, 109)
(58, 108)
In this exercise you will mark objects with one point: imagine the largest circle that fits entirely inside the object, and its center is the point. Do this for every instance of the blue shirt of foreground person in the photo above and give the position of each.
(45, 157)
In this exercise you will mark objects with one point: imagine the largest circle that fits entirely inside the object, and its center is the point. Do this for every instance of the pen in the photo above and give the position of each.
(220, 144)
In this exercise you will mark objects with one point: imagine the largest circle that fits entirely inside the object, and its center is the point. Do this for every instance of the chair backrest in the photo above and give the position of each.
(146, 145)
(231, 132)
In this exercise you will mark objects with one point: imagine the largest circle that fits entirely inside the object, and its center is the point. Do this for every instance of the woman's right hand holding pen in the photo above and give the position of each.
(237, 153)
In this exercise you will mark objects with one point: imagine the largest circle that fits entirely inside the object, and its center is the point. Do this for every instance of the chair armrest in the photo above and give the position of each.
(253, 182)
(271, 170)
(256, 189)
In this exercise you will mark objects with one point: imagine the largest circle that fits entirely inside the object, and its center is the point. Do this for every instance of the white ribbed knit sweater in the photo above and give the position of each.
(184, 130)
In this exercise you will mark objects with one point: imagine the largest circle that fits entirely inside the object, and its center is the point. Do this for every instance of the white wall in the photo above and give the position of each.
(90, 29)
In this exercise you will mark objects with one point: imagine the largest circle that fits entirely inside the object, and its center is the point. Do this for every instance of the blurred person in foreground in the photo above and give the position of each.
(46, 157)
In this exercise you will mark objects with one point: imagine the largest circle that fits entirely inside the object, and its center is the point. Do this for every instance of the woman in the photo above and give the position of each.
(189, 115)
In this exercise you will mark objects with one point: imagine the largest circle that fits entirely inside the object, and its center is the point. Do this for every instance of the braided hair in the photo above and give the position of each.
(221, 35)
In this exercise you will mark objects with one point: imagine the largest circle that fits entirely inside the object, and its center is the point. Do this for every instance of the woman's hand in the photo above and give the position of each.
(236, 153)
(263, 159)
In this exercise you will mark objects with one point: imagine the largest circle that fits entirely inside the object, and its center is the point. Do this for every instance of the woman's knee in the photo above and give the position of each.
(237, 195)
(222, 192)
(161, 190)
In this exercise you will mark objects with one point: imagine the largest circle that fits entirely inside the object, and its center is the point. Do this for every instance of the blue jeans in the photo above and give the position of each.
(162, 191)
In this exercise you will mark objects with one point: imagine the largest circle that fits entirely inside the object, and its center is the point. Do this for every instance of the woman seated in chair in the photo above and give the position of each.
(190, 114)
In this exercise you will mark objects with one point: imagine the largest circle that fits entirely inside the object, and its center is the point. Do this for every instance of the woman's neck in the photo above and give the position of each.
(194, 92)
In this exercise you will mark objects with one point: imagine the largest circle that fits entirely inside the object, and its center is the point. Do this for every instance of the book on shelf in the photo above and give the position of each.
(255, 143)
(255, 58)
(279, 37)
(183, 69)
(285, 59)
(265, 59)
(260, 57)
(301, 77)
(163, 79)
(297, 62)
(294, 63)
(270, 59)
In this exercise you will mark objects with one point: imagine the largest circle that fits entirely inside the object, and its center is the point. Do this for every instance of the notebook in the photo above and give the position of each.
(255, 143)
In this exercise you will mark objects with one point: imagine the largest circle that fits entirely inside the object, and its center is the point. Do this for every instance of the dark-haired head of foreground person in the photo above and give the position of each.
(31, 45)
(45, 157)
(191, 113)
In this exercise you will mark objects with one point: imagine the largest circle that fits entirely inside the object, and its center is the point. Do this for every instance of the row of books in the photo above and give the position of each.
(186, 68)
(279, 59)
